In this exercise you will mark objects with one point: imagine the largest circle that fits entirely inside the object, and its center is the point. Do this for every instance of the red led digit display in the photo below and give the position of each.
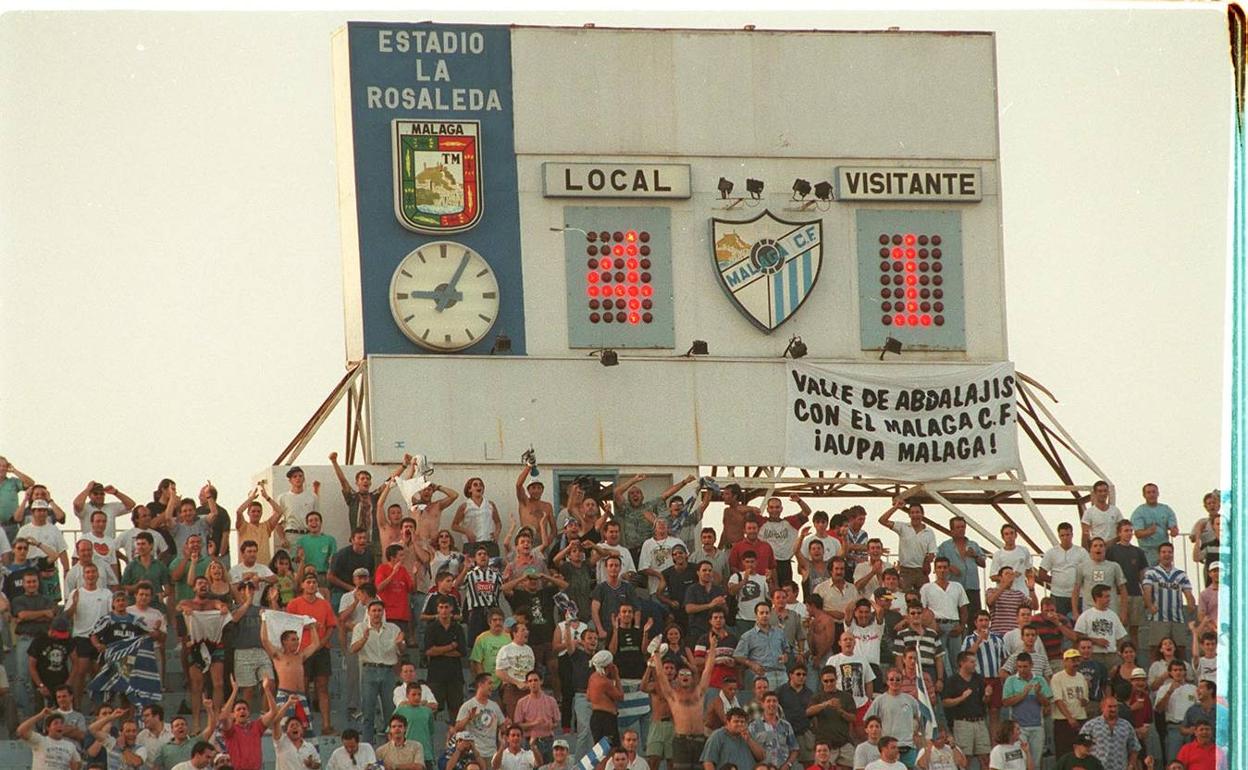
(902, 263)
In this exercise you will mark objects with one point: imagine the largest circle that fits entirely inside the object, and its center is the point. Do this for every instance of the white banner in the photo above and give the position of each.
(909, 428)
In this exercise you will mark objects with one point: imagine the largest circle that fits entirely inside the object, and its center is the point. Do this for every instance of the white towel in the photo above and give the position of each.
(278, 623)
(206, 625)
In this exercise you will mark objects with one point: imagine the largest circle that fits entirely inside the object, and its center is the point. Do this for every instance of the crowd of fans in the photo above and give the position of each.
(617, 627)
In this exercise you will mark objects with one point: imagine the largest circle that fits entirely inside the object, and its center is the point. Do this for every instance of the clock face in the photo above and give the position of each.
(444, 296)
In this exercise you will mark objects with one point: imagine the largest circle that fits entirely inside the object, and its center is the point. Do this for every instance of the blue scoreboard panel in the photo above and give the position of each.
(910, 284)
(619, 276)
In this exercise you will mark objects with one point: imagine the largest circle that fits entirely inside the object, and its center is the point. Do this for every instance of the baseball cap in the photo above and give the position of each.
(559, 744)
(360, 572)
(1082, 740)
(464, 735)
(1139, 673)
(680, 547)
(1071, 653)
(1215, 565)
(60, 627)
(293, 470)
(530, 572)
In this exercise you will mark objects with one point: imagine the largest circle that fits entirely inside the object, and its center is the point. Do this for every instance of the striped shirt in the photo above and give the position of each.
(855, 538)
(1005, 611)
(481, 588)
(928, 641)
(989, 656)
(1168, 587)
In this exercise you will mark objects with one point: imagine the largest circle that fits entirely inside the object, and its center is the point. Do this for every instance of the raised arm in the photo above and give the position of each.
(677, 486)
(620, 489)
(342, 477)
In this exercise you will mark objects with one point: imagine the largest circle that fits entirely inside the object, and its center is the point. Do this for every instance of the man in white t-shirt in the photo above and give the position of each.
(854, 674)
(656, 553)
(297, 502)
(1103, 626)
(948, 602)
(1013, 556)
(91, 499)
(1101, 518)
(51, 751)
(781, 534)
(611, 545)
(1060, 566)
(249, 569)
(917, 543)
(890, 756)
(352, 754)
(85, 605)
(292, 751)
(84, 554)
(44, 536)
(940, 753)
(1013, 755)
(512, 664)
(103, 546)
(513, 755)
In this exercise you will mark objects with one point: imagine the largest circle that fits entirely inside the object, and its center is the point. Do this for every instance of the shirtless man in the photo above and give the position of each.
(418, 494)
(684, 703)
(288, 663)
(214, 665)
(533, 512)
(604, 694)
(735, 513)
(659, 741)
(821, 628)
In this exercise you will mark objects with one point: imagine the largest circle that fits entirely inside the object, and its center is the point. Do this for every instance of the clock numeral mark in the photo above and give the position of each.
(425, 336)
(401, 295)
(489, 295)
(442, 250)
(483, 272)
(469, 334)
(408, 318)
(484, 317)
(409, 275)
(447, 338)
(422, 259)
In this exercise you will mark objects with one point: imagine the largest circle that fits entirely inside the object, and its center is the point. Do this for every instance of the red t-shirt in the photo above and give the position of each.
(242, 742)
(397, 593)
(319, 610)
(765, 557)
(1197, 757)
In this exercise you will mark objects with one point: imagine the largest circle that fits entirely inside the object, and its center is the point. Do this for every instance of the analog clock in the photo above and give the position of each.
(444, 296)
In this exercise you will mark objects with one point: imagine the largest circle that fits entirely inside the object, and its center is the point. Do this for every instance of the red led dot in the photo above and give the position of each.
(632, 291)
(644, 236)
(909, 239)
(912, 319)
(631, 264)
(911, 306)
(910, 280)
(910, 293)
(647, 317)
(645, 264)
(591, 277)
(647, 290)
(898, 253)
(630, 236)
(606, 278)
(619, 276)
(594, 318)
(631, 250)
(910, 267)
(633, 304)
(617, 236)
(621, 316)
(910, 253)
(619, 291)
(606, 318)
(899, 319)
(925, 319)
(618, 250)
(592, 291)
(634, 318)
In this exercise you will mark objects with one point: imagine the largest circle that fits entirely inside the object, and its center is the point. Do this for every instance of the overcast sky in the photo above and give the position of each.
(170, 281)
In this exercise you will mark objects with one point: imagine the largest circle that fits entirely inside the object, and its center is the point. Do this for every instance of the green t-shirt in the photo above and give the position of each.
(419, 725)
(317, 550)
(10, 490)
(157, 574)
(182, 590)
(485, 651)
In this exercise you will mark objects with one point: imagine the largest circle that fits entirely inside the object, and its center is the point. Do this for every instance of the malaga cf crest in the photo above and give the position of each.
(437, 174)
(767, 266)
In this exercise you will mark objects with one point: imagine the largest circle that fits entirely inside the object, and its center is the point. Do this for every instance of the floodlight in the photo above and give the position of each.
(755, 188)
(891, 345)
(502, 344)
(608, 357)
(823, 191)
(796, 348)
(698, 348)
(801, 188)
(725, 188)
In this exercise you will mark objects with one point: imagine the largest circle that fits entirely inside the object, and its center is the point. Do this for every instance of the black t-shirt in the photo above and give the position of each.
(52, 661)
(347, 561)
(628, 654)
(610, 599)
(828, 725)
(13, 580)
(36, 603)
(431, 605)
(445, 668)
(972, 707)
(1133, 562)
(1071, 762)
(700, 622)
(678, 583)
(219, 528)
(579, 663)
(1094, 671)
(540, 606)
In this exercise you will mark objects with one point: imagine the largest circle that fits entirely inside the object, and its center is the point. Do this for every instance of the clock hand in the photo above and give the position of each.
(450, 286)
